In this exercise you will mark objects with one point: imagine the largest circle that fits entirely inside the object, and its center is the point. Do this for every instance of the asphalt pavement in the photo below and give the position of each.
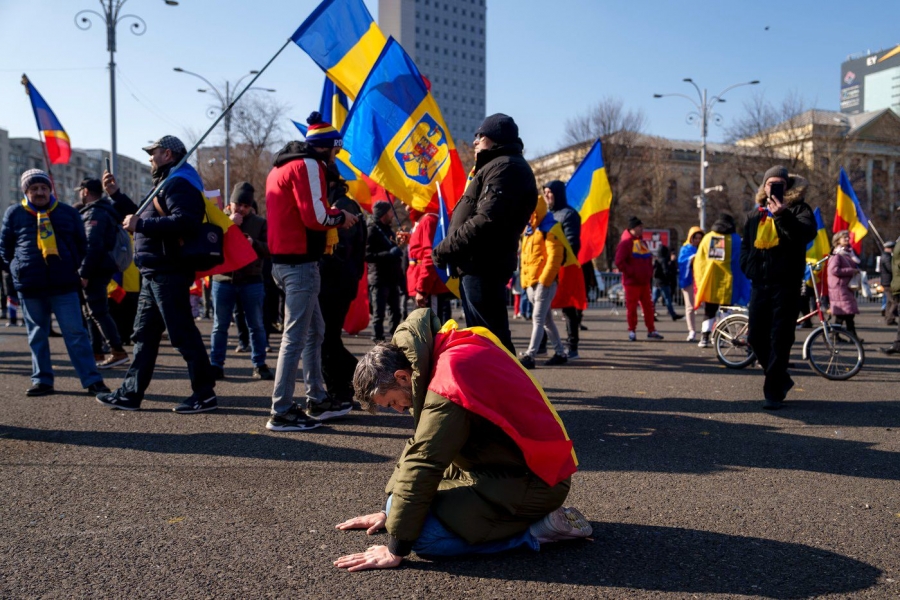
(692, 489)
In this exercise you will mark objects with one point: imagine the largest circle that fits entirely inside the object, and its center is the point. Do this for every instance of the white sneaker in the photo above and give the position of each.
(692, 336)
(564, 523)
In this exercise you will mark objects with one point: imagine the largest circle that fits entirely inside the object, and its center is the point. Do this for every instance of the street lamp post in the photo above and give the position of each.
(225, 102)
(702, 116)
(112, 10)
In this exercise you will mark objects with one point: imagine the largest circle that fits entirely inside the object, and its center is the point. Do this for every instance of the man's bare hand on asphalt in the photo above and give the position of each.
(371, 523)
(376, 557)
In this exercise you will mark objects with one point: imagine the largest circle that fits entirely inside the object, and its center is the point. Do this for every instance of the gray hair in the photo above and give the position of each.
(375, 373)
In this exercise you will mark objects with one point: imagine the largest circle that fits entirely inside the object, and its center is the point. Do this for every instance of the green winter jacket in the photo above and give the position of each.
(461, 467)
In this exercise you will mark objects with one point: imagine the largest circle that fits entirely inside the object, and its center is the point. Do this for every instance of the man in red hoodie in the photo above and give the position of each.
(299, 218)
(422, 279)
(635, 261)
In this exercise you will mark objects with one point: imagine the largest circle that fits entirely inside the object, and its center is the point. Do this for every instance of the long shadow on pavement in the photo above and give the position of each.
(669, 559)
(640, 440)
(239, 445)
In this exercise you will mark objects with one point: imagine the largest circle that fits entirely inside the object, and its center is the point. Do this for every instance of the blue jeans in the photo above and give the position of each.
(224, 297)
(165, 304)
(437, 540)
(484, 305)
(666, 293)
(67, 308)
(304, 331)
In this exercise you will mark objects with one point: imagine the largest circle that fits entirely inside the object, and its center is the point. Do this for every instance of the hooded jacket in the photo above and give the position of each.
(421, 274)
(664, 268)
(565, 215)
(464, 469)
(685, 260)
(489, 218)
(842, 266)
(784, 264)
(297, 207)
(634, 260)
(542, 253)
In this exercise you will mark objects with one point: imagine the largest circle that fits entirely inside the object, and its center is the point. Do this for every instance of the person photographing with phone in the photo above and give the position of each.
(773, 257)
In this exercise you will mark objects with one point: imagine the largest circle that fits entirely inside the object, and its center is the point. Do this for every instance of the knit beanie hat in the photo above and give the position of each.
(321, 134)
(381, 208)
(500, 128)
(242, 193)
(777, 171)
(33, 176)
(634, 222)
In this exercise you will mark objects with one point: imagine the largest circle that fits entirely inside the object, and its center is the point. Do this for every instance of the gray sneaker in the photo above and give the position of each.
(292, 420)
(564, 523)
(330, 408)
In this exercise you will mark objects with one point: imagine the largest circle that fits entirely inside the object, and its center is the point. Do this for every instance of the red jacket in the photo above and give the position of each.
(634, 260)
(421, 275)
(297, 210)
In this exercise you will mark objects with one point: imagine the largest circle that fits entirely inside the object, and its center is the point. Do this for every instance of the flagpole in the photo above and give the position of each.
(41, 137)
(149, 197)
(877, 235)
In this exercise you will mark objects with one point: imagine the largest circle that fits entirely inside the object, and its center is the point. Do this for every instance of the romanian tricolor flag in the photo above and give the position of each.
(589, 193)
(59, 150)
(237, 250)
(849, 214)
(396, 135)
(474, 370)
(718, 278)
(820, 247)
(451, 281)
(344, 40)
(570, 291)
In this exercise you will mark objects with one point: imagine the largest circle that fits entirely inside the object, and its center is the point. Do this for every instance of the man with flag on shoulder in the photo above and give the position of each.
(773, 257)
(481, 474)
(175, 213)
(483, 237)
(299, 219)
(43, 245)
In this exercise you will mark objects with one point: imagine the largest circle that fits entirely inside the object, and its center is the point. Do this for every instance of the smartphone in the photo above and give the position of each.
(776, 190)
(108, 167)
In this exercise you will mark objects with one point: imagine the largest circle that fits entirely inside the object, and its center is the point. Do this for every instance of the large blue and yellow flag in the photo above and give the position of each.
(718, 278)
(589, 193)
(849, 214)
(56, 140)
(334, 105)
(344, 40)
(396, 135)
(820, 247)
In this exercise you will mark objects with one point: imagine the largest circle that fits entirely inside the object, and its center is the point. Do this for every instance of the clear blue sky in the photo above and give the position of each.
(543, 66)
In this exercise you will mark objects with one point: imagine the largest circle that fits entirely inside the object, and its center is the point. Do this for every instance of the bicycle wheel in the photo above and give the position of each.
(837, 355)
(730, 340)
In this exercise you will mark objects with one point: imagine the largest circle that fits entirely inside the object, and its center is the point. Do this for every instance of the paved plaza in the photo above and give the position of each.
(692, 489)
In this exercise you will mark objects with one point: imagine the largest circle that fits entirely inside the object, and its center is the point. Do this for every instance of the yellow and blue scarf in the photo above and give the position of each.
(46, 237)
(766, 234)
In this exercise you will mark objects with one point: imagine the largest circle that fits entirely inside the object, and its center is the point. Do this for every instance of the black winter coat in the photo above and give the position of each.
(157, 239)
(32, 275)
(100, 226)
(341, 270)
(785, 264)
(383, 255)
(483, 238)
(565, 215)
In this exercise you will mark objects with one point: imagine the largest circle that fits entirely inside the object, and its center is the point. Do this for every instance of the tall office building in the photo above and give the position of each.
(446, 40)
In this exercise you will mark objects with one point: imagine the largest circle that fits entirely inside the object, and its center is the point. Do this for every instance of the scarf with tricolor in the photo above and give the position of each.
(766, 234)
(46, 238)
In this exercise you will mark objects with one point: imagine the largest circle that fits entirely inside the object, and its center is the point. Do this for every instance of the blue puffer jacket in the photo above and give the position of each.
(32, 275)
(157, 239)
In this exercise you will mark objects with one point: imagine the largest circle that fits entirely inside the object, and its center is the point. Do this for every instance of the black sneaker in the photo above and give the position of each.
(263, 372)
(217, 372)
(556, 359)
(331, 408)
(118, 402)
(527, 361)
(40, 389)
(196, 404)
(241, 349)
(97, 388)
(293, 420)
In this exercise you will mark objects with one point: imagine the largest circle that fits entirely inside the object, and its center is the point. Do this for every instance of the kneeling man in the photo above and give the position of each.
(490, 463)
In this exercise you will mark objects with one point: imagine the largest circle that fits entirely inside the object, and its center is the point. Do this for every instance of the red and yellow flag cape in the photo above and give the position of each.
(474, 370)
